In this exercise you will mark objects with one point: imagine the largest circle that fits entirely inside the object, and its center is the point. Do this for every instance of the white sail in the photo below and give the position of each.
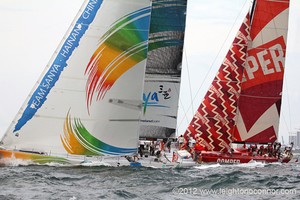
(100, 61)
(163, 70)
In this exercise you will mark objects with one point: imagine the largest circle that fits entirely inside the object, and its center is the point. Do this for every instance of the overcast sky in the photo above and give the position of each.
(32, 29)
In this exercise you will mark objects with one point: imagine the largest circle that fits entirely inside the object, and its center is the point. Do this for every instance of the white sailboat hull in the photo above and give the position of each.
(11, 157)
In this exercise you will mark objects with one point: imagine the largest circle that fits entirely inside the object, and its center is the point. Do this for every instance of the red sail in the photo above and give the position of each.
(243, 102)
(259, 104)
(213, 123)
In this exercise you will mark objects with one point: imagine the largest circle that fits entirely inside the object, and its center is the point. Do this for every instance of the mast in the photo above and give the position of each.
(252, 11)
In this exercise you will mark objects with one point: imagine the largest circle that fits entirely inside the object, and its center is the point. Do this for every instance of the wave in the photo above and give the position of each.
(251, 164)
(95, 164)
(13, 162)
(207, 166)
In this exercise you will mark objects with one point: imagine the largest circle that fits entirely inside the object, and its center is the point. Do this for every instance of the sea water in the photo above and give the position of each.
(208, 181)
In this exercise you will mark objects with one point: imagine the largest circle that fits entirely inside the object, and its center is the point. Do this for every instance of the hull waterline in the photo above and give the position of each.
(235, 158)
(9, 156)
(37, 158)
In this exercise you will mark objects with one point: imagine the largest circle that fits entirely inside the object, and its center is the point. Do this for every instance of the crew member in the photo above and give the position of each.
(181, 141)
(174, 157)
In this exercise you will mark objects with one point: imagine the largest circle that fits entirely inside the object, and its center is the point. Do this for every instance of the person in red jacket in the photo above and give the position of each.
(198, 148)
(174, 157)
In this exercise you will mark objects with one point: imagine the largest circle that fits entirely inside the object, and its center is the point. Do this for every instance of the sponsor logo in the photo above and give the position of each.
(153, 99)
(42, 91)
(265, 60)
(228, 160)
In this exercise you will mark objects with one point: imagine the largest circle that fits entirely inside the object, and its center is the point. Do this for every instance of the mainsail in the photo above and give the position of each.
(260, 100)
(243, 102)
(88, 100)
(163, 70)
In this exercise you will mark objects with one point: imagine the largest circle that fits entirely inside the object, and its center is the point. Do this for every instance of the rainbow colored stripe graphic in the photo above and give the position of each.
(78, 140)
(34, 158)
(123, 46)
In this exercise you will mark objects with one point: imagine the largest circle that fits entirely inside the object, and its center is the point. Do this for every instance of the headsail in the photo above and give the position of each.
(163, 70)
(213, 122)
(243, 102)
(79, 105)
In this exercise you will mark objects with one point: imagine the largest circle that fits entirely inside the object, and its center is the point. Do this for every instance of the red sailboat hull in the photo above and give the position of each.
(236, 158)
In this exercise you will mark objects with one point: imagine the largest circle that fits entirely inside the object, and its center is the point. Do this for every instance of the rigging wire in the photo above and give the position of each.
(191, 96)
(289, 126)
(190, 86)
